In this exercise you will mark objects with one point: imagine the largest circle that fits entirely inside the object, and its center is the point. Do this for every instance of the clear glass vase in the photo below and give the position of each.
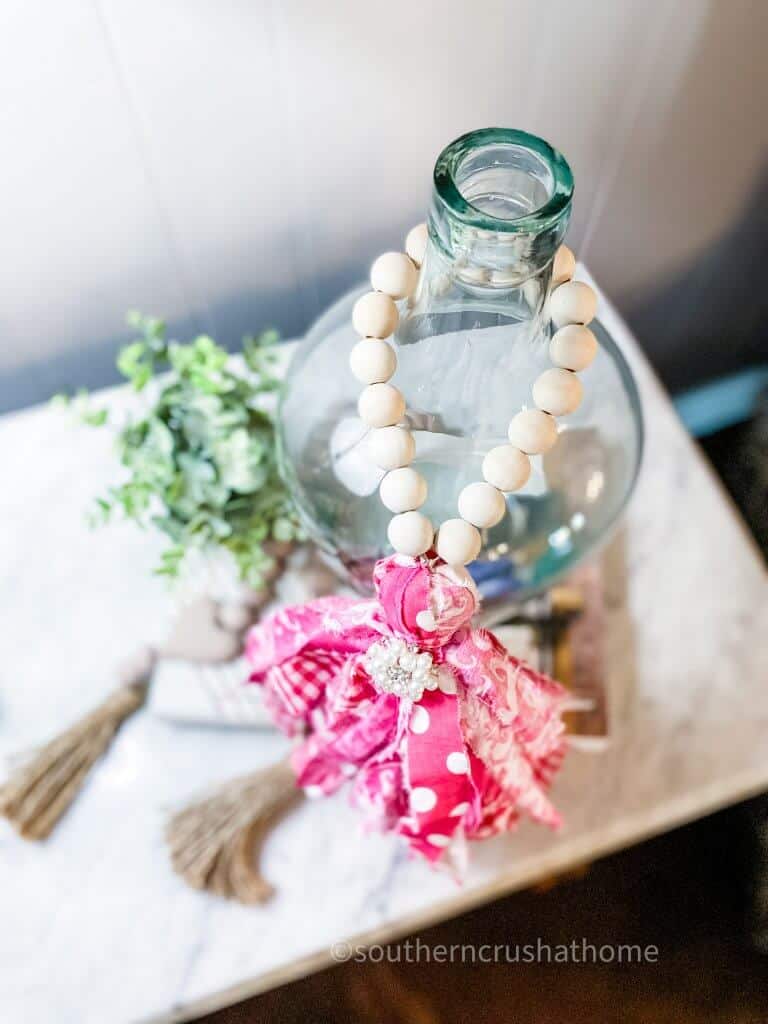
(470, 344)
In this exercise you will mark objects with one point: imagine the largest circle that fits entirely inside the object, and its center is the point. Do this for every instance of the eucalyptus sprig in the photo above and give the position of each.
(201, 459)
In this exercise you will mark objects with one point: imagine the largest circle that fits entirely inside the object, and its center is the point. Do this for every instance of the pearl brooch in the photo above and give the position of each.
(399, 668)
(532, 431)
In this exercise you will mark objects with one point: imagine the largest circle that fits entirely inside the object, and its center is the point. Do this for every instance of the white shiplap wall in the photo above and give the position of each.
(232, 163)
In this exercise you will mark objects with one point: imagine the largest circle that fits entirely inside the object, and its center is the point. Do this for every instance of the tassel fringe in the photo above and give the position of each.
(215, 843)
(42, 788)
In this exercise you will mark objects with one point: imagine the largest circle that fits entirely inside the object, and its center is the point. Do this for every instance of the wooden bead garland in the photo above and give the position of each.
(506, 468)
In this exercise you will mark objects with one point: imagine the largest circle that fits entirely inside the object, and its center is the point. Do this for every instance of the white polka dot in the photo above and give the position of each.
(419, 720)
(423, 799)
(426, 620)
(446, 680)
(459, 810)
(457, 763)
(313, 792)
(349, 770)
(438, 839)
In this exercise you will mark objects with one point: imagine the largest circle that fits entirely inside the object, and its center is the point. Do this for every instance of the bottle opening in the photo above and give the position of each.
(504, 180)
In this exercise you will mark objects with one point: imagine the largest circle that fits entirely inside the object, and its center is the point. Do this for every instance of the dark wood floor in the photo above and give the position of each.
(685, 893)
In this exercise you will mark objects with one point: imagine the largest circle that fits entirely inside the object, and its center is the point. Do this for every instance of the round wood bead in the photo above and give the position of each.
(410, 533)
(572, 303)
(391, 447)
(403, 490)
(533, 431)
(506, 468)
(563, 266)
(375, 315)
(573, 347)
(394, 274)
(416, 243)
(381, 405)
(372, 361)
(458, 542)
(482, 504)
(557, 391)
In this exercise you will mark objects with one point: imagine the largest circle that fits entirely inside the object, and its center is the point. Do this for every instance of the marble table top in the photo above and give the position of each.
(95, 926)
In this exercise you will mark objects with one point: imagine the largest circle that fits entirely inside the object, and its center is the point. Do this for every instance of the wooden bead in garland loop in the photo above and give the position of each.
(373, 361)
(416, 243)
(395, 275)
(572, 303)
(507, 468)
(458, 542)
(403, 489)
(563, 266)
(557, 391)
(375, 315)
(381, 405)
(482, 504)
(410, 533)
(532, 431)
(391, 447)
(573, 347)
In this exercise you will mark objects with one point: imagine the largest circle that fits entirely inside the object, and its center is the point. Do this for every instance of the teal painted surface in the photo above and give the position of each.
(721, 403)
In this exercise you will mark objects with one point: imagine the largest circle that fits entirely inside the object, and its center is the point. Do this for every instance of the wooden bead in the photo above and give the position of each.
(391, 447)
(381, 405)
(403, 490)
(458, 542)
(482, 504)
(563, 266)
(573, 347)
(506, 468)
(372, 361)
(416, 243)
(557, 391)
(572, 303)
(375, 315)
(533, 431)
(410, 533)
(394, 274)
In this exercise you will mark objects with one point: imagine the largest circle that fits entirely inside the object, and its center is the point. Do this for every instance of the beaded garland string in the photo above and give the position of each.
(506, 468)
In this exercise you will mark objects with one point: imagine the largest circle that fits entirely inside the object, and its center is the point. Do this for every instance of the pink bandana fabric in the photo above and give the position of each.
(468, 757)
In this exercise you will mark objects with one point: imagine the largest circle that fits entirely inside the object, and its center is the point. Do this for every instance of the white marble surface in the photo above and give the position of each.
(96, 928)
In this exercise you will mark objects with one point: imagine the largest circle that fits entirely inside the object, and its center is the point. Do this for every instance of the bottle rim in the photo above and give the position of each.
(451, 197)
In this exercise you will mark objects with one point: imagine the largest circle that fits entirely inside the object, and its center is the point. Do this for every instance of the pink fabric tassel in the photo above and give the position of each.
(470, 756)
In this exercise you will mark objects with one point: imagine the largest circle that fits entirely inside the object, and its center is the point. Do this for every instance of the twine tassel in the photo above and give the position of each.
(214, 843)
(41, 790)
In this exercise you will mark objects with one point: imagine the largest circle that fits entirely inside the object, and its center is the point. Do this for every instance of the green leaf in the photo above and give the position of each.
(201, 463)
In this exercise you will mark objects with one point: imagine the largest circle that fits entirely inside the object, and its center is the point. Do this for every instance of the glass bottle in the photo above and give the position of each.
(469, 345)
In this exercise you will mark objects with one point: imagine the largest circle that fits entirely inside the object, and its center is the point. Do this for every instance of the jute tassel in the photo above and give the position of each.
(215, 843)
(41, 789)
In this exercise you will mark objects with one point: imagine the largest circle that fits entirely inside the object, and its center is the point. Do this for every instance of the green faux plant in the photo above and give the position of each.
(201, 458)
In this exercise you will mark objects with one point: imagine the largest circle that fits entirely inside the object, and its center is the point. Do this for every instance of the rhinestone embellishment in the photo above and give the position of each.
(395, 667)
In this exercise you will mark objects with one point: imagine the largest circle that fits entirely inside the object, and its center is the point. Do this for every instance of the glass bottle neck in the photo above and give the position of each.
(500, 207)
